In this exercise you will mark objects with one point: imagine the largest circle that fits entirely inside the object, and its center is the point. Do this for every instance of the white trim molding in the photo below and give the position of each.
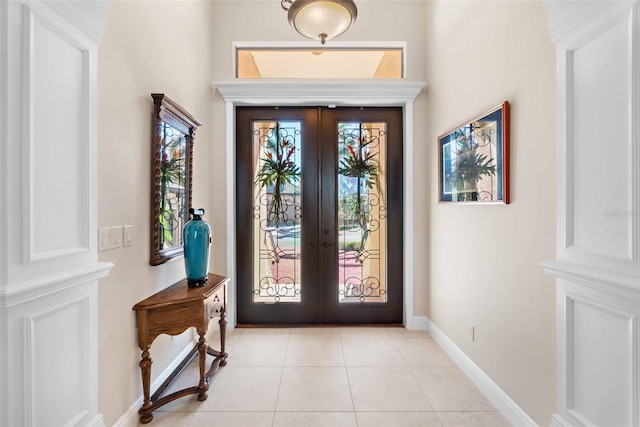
(625, 286)
(131, 418)
(597, 265)
(46, 285)
(586, 25)
(604, 307)
(313, 46)
(88, 18)
(557, 421)
(38, 19)
(321, 92)
(572, 23)
(49, 266)
(501, 400)
(76, 341)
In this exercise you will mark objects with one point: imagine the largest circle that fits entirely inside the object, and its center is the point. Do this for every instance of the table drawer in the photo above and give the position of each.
(216, 302)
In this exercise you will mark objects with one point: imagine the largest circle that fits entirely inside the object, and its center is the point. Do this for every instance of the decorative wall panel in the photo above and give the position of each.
(601, 342)
(49, 267)
(58, 344)
(600, 148)
(57, 129)
(598, 265)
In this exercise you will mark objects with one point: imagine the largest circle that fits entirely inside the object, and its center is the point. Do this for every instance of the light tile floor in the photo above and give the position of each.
(332, 376)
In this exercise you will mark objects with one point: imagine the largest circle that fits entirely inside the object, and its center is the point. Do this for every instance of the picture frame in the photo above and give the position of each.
(473, 159)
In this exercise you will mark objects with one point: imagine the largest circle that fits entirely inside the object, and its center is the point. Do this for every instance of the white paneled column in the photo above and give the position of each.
(597, 263)
(49, 267)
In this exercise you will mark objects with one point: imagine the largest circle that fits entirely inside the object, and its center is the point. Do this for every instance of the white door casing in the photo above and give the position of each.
(330, 93)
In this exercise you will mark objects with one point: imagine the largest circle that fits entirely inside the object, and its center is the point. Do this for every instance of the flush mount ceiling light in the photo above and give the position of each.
(320, 19)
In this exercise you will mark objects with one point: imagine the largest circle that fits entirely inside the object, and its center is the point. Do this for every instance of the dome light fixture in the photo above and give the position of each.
(320, 19)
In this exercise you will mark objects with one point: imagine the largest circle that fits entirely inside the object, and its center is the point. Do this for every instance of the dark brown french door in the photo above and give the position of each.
(319, 215)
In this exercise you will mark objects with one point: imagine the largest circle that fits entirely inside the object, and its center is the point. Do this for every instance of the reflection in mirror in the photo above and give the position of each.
(172, 181)
(172, 149)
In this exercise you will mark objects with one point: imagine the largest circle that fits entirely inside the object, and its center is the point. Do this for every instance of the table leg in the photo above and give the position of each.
(145, 368)
(203, 386)
(223, 332)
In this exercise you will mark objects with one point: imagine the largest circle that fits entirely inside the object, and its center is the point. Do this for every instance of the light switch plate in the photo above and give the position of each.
(103, 239)
(128, 235)
(109, 238)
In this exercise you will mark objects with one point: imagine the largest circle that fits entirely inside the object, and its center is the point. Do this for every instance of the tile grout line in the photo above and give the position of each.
(284, 362)
(410, 368)
(346, 369)
(290, 337)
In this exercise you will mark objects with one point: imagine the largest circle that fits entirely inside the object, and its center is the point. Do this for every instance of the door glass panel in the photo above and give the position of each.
(362, 219)
(277, 212)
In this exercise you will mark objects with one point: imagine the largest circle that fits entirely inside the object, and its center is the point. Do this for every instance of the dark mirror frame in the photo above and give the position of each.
(168, 112)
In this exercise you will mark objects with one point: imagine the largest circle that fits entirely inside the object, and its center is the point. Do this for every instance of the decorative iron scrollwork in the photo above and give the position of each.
(277, 213)
(361, 213)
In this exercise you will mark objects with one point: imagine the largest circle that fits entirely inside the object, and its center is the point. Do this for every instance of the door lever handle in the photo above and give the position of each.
(328, 245)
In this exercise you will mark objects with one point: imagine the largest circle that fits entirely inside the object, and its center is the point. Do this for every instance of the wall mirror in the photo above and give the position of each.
(171, 176)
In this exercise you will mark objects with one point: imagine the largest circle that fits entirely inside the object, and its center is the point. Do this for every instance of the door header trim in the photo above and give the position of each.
(322, 92)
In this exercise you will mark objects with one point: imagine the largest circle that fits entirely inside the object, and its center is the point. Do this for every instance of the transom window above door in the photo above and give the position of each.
(310, 60)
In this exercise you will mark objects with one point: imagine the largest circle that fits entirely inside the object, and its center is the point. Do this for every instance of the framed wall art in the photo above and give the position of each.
(474, 159)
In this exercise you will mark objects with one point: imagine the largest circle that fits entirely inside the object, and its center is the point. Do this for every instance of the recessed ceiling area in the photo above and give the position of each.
(319, 63)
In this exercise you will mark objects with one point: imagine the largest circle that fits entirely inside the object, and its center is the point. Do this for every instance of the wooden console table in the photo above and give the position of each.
(172, 311)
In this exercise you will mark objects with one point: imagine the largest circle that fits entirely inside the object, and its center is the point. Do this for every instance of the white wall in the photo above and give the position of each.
(483, 268)
(148, 47)
(48, 213)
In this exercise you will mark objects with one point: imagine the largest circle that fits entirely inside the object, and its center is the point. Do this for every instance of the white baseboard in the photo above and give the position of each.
(97, 421)
(501, 400)
(417, 323)
(558, 421)
(131, 417)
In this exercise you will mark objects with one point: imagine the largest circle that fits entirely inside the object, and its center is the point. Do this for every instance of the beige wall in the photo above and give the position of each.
(148, 47)
(477, 264)
(483, 267)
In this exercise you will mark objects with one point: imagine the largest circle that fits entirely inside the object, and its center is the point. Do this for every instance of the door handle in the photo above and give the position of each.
(328, 245)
